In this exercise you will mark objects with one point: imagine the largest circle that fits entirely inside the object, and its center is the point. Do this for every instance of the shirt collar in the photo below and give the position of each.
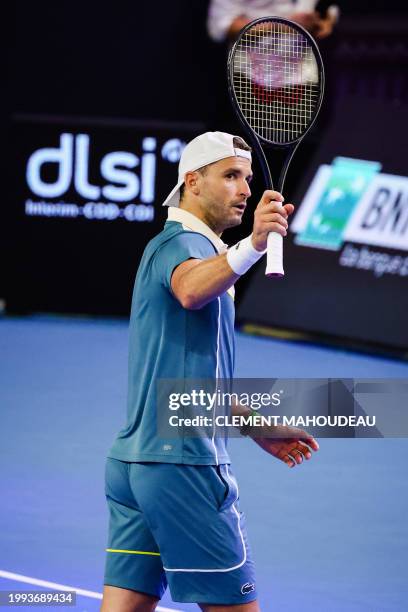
(194, 224)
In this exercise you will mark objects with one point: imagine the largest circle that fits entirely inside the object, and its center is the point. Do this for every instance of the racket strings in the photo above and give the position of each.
(276, 81)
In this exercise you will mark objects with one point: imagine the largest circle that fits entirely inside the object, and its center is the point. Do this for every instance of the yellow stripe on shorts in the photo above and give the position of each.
(133, 552)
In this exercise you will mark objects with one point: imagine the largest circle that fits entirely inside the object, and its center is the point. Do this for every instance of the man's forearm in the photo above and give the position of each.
(195, 282)
(248, 427)
(204, 281)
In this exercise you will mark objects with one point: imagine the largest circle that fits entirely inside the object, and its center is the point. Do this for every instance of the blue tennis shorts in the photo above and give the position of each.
(178, 525)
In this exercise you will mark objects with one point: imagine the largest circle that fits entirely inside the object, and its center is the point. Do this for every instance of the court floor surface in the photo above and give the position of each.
(329, 536)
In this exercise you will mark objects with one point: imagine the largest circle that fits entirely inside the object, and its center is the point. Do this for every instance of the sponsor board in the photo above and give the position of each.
(351, 201)
(58, 179)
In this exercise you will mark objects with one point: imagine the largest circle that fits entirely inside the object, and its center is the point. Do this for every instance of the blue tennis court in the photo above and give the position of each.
(329, 536)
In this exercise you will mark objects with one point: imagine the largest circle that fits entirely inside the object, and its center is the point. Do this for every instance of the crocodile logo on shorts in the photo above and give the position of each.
(247, 588)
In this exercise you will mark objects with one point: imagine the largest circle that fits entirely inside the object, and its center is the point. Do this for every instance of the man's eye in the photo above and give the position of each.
(232, 175)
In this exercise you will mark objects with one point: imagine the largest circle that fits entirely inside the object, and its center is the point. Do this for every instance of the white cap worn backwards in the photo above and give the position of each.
(201, 151)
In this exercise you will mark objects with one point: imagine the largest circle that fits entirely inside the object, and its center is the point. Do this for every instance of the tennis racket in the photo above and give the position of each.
(276, 84)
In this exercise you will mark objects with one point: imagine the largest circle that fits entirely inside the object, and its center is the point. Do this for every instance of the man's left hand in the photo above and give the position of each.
(291, 445)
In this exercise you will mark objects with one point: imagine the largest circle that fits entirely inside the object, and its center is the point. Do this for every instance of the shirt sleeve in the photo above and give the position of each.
(183, 246)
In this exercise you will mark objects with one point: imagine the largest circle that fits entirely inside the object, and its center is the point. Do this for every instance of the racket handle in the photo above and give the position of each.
(274, 255)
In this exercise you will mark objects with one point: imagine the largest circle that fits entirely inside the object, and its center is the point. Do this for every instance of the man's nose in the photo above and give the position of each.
(245, 190)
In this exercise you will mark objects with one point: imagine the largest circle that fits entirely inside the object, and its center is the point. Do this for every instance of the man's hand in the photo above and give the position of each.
(291, 445)
(325, 27)
(319, 27)
(270, 216)
(308, 20)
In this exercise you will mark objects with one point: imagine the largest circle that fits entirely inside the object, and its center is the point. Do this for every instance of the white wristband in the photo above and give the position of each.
(243, 255)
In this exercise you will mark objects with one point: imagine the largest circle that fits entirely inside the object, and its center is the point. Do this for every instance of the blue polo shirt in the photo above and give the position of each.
(168, 341)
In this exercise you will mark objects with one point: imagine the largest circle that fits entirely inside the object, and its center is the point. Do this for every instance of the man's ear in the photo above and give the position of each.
(191, 181)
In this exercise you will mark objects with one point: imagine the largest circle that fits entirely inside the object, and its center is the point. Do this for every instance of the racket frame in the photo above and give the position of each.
(257, 140)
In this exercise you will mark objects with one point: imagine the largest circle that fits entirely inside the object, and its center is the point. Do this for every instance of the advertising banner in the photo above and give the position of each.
(86, 200)
(346, 254)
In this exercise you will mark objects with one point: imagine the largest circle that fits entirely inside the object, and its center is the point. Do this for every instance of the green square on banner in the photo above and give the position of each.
(348, 181)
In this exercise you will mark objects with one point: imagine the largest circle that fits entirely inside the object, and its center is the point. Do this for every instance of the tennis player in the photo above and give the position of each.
(174, 516)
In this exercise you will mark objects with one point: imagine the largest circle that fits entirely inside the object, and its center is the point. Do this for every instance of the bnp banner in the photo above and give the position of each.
(351, 201)
(346, 262)
(346, 252)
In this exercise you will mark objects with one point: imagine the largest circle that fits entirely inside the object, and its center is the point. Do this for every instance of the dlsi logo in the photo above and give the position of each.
(351, 201)
(117, 168)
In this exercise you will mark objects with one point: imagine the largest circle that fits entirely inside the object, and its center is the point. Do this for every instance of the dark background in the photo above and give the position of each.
(129, 59)
(144, 61)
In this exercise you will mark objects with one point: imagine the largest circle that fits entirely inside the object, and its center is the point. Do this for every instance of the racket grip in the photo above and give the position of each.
(274, 255)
